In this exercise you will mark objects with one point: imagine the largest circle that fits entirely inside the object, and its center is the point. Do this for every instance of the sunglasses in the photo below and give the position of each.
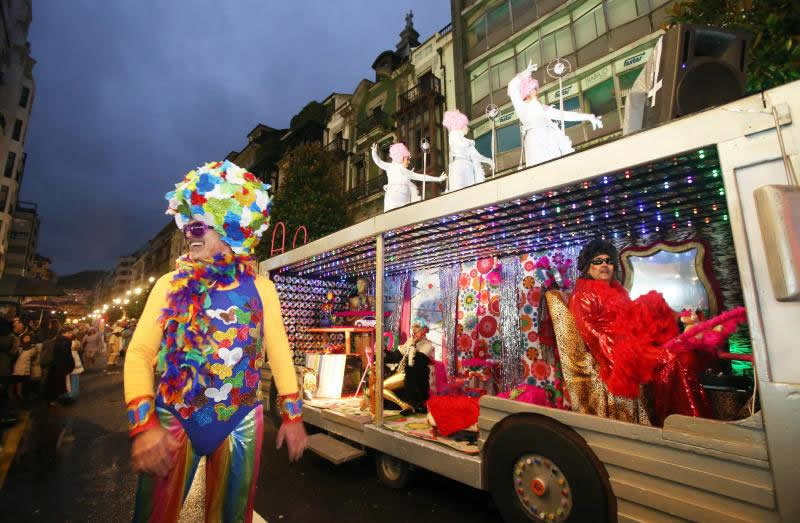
(601, 261)
(195, 230)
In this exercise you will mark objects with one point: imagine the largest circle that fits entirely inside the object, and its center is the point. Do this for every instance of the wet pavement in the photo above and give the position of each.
(88, 477)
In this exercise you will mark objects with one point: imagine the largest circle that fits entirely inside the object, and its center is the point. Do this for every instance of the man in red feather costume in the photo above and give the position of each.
(626, 338)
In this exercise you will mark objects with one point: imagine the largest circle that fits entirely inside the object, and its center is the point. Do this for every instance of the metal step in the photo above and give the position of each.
(332, 449)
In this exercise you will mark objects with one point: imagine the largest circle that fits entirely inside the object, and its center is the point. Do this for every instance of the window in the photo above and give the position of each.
(589, 26)
(17, 133)
(479, 83)
(476, 34)
(623, 11)
(626, 81)
(3, 197)
(520, 7)
(570, 104)
(24, 96)
(556, 45)
(508, 138)
(502, 73)
(600, 98)
(498, 18)
(12, 159)
(484, 144)
(531, 53)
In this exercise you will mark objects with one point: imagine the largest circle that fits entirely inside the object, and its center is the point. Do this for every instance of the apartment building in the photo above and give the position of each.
(606, 43)
(23, 240)
(17, 92)
(403, 103)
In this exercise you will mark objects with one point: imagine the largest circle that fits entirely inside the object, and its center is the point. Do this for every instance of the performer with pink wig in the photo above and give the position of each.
(465, 160)
(544, 140)
(400, 190)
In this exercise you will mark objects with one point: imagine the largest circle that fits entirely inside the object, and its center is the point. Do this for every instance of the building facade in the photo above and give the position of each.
(40, 268)
(606, 42)
(403, 103)
(17, 92)
(22, 240)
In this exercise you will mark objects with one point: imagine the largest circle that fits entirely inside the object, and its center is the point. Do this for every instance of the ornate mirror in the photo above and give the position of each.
(679, 271)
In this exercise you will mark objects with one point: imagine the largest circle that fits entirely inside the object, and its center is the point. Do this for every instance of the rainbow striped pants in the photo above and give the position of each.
(231, 475)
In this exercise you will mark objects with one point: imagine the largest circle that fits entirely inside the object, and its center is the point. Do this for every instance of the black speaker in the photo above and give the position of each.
(699, 67)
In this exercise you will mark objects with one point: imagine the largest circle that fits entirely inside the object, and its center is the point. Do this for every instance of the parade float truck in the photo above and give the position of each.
(724, 178)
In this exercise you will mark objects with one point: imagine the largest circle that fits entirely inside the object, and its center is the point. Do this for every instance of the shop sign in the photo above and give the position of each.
(596, 77)
(566, 92)
(634, 60)
(486, 126)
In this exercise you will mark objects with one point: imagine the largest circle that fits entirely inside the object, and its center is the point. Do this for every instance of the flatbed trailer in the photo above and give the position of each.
(689, 469)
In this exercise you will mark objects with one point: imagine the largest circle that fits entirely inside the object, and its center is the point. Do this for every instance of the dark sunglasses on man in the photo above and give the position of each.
(195, 230)
(601, 261)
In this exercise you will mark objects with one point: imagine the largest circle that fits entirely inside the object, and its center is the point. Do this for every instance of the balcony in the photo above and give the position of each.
(365, 190)
(428, 86)
(337, 145)
(378, 118)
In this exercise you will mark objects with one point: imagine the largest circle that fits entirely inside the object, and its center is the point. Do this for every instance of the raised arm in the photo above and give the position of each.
(513, 89)
(570, 116)
(375, 158)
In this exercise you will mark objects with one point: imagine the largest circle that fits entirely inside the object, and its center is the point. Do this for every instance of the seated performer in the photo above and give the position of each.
(400, 190)
(465, 161)
(625, 337)
(210, 324)
(411, 375)
(544, 140)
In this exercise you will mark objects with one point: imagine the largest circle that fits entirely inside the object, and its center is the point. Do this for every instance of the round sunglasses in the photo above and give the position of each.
(195, 230)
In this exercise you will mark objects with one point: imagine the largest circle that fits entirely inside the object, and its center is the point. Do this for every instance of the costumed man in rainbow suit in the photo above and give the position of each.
(208, 325)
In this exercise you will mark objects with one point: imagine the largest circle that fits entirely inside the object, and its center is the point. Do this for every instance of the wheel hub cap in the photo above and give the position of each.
(541, 488)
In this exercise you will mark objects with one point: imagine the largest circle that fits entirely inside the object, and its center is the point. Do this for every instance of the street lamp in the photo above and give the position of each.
(151, 279)
(492, 112)
(426, 146)
(137, 290)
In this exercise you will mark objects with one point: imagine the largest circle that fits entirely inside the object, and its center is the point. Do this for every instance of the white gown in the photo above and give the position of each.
(465, 161)
(400, 190)
(544, 140)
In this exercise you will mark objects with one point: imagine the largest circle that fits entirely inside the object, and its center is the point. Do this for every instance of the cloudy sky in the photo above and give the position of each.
(132, 94)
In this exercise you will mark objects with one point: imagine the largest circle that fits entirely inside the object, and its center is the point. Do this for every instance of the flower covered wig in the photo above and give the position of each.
(527, 85)
(455, 120)
(398, 151)
(227, 198)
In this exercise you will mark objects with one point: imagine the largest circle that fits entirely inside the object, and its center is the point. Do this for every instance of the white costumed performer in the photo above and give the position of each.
(465, 161)
(544, 140)
(400, 190)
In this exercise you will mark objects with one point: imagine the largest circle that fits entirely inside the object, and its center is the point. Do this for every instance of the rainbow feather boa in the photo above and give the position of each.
(185, 347)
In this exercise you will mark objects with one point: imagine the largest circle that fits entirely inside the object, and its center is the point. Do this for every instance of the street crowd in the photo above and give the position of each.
(41, 362)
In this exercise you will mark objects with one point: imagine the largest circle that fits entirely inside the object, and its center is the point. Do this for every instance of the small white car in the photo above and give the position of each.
(366, 321)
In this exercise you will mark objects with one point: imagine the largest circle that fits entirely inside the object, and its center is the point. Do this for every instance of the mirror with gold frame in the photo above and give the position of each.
(680, 271)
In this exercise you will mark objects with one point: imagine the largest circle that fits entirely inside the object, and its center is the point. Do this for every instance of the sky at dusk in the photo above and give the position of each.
(130, 95)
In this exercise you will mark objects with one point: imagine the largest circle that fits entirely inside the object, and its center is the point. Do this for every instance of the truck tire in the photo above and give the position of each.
(540, 470)
(392, 472)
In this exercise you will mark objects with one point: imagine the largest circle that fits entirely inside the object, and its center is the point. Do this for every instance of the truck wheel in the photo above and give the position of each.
(274, 410)
(542, 471)
(392, 472)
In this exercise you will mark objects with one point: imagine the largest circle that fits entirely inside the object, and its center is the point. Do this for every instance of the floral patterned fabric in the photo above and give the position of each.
(478, 316)
(478, 312)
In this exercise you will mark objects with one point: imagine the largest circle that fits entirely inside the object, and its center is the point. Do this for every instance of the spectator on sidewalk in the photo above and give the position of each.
(114, 345)
(126, 334)
(22, 367)
(60, 367)
(73, 380)
(8, 350)
(93, 343)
